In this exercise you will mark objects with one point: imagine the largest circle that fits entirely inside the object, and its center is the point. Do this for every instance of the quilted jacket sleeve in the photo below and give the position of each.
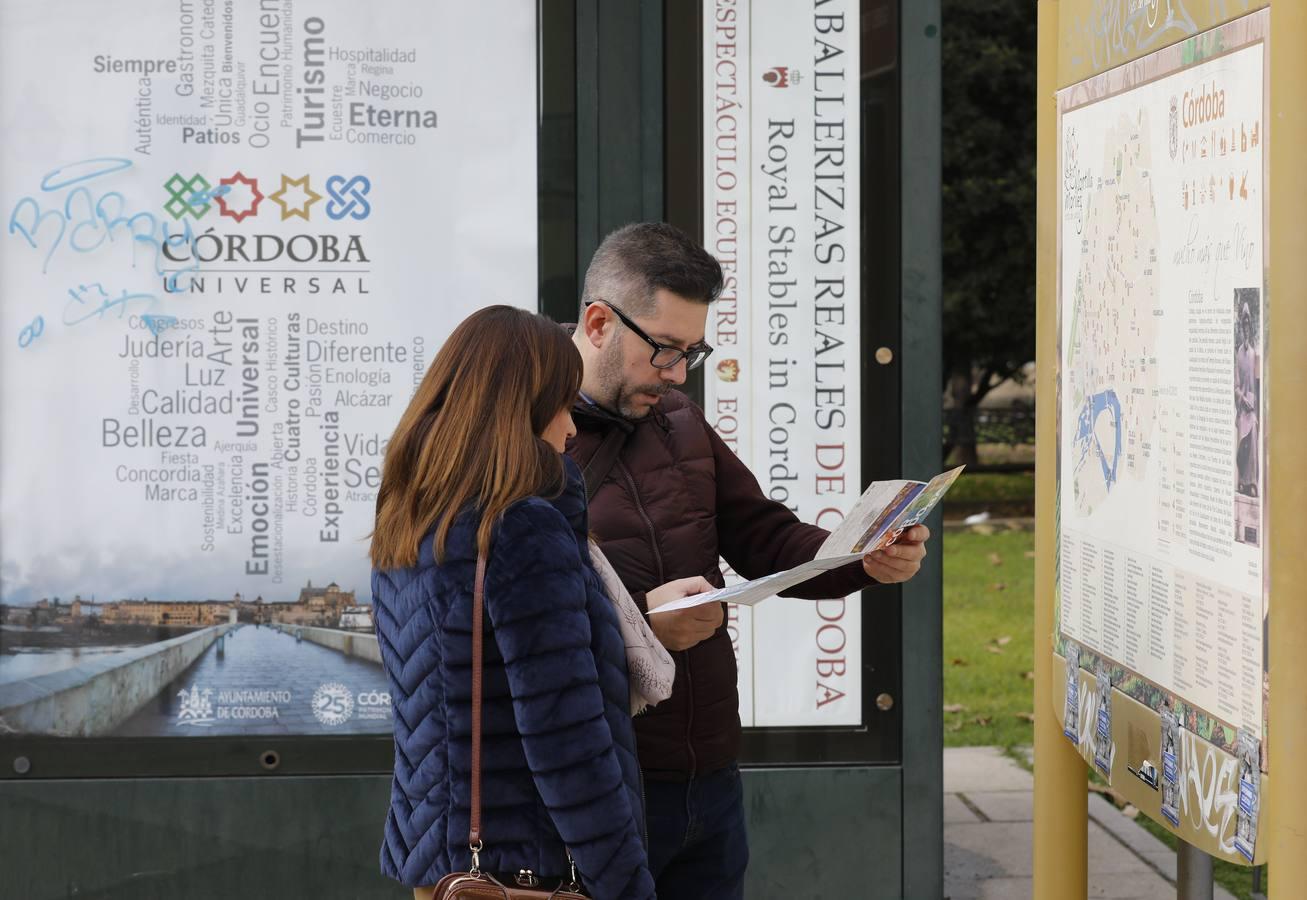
(536, 595)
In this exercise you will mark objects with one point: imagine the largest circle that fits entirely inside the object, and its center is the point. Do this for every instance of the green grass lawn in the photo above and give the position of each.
(988, 647)
(988, 626)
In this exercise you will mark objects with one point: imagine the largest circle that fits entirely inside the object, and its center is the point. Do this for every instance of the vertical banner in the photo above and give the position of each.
(781, 214)
(236, 235)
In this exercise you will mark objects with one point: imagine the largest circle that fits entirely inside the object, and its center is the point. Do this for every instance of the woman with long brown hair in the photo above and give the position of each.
(475, 477)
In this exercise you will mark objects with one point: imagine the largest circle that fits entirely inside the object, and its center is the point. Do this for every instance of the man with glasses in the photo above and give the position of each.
(668, 499)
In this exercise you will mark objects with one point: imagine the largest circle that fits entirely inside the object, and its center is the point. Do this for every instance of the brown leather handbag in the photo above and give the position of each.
(475, 884)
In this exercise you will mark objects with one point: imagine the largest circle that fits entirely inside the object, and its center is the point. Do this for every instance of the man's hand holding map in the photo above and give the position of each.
(883, 512)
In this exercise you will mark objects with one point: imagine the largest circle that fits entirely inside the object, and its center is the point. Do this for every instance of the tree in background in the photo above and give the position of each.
(989, 62)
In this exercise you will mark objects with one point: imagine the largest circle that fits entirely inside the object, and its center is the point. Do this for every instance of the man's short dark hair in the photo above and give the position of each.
(636, 260)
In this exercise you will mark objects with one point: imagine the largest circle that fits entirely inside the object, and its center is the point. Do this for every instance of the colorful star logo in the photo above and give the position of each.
(188, 196)
(256, 197)
(308, 197)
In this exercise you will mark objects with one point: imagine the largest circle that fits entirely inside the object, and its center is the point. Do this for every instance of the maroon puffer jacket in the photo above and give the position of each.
(676, 500)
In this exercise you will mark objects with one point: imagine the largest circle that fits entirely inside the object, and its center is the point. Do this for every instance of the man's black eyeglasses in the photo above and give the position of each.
(664, 356)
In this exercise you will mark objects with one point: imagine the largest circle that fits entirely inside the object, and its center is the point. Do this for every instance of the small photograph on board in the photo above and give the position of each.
(1248, 415)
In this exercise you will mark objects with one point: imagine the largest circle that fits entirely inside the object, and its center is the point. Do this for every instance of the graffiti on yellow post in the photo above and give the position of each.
(1104, 33)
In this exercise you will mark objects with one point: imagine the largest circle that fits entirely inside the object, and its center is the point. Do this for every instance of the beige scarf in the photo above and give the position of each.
(650, 665)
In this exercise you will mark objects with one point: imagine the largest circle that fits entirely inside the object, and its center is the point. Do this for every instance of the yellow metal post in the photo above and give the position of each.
(1283, 827)
(1061, 796)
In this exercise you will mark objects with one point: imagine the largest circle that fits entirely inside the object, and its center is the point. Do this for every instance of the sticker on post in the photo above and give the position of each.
(1071, 719)
(1250, 801)
(1103, 724)
(1170, 766)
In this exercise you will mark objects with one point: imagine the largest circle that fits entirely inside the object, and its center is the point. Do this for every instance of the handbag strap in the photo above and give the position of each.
(478, 633)
(474, 842)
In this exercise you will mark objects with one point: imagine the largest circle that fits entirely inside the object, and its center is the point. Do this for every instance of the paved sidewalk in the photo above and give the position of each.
(988, 800)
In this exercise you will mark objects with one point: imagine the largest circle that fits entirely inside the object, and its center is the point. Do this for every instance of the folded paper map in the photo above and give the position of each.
(883, 512)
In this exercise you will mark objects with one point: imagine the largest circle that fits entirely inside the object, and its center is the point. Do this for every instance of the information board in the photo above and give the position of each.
(1162, 413)
(236, 235)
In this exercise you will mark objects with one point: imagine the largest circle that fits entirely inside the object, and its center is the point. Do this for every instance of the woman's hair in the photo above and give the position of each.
(471, 434)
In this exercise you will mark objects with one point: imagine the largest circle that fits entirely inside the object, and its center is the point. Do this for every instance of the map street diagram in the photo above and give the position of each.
(1114, 322)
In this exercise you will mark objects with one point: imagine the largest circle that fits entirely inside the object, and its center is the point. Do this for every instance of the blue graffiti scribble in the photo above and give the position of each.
(31, 332)
(180, 239)
(27, 219)
(84, 223)
(80, 294)
(200, 198)
(184, 239)
(157, 324)
(38, 219)
(113, 164)
(90, 221)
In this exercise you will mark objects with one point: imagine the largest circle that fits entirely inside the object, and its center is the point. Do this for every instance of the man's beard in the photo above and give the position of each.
(618, 396)
(626, 407)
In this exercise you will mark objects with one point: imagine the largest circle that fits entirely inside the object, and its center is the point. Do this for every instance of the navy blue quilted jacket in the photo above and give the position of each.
(559, 765)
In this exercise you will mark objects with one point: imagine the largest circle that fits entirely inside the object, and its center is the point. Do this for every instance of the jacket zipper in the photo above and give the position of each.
(653, 535)
(662, 579)
(644, 806)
